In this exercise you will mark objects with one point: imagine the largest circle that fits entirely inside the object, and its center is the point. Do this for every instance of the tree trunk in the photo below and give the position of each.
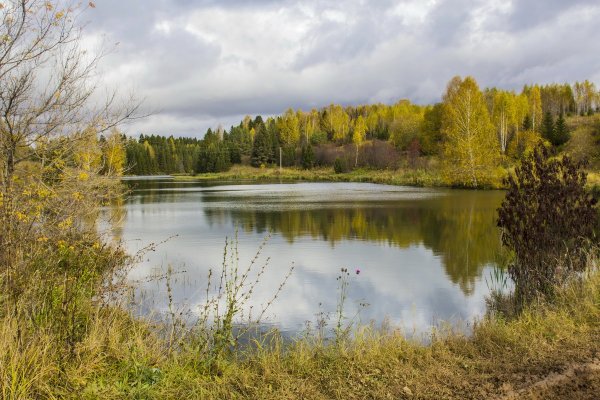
(9, 168)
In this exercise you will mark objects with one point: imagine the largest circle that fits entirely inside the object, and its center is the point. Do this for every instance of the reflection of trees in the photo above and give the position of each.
(462, 230)
(112, 219)
(117, 216)
(459, 227)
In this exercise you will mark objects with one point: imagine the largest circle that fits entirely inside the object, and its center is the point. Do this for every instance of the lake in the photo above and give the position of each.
(424, 255)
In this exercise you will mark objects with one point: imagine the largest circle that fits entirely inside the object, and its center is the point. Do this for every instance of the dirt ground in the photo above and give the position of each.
(577, 381)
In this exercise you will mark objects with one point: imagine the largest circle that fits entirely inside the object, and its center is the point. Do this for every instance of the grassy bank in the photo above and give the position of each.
(402, 177)
(125, 358)
(409, 177)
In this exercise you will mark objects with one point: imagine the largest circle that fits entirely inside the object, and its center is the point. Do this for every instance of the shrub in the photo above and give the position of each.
(326, 154)
(548, 220)
(379, 155)
(340, 165)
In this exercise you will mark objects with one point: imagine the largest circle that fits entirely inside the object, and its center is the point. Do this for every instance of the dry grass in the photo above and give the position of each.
(123, 358)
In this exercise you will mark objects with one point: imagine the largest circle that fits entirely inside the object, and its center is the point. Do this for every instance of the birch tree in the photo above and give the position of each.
(535, 107)
(470, 149)
(48, 80)
(339, 123)
(358, 135)
(503, 116)
(113, 154)
(289, 128)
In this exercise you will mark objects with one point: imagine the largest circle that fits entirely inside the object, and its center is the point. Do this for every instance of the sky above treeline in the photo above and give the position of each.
(200, 63)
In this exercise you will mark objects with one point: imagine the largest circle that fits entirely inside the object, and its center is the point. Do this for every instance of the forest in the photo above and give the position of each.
(472, 134)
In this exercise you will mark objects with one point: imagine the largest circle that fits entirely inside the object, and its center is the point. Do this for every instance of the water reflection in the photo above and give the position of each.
(456, 225)
(423, 252)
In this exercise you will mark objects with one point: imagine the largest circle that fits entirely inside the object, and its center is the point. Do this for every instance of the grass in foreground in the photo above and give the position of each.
(125, 358)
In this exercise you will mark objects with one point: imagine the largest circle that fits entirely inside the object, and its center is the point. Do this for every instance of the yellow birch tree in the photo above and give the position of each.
(470, 149)
(113, 152)
(535, 107)
(358, 135)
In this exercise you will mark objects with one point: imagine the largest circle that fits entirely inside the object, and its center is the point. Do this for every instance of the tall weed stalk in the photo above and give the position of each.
(225, 317)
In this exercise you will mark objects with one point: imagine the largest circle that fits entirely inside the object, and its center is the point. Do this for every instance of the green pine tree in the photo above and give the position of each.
(308, 157)
(548, 127)
(561, 132)
(262, 147)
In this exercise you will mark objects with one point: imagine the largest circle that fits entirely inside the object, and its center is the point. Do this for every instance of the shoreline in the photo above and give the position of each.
(400, 177)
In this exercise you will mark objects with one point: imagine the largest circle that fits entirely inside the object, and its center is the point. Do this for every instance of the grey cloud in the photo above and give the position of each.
(449, 22)
(529, 13)
(339, 41)
(214, 61)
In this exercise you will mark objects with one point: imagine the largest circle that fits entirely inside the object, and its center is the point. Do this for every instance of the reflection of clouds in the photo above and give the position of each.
(409, 285)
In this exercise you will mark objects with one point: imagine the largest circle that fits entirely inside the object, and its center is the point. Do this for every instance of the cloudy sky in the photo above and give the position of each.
(200, 63)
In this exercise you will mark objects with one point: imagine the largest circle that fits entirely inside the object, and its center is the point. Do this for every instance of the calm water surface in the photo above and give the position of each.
(424, 254)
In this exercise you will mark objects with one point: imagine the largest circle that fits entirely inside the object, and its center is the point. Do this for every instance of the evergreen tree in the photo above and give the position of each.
(561, 132)
(273, 135)
(548, 126)
(213, 157)
(257, 121)
(262, 148)
(288, 156)
(308, 157)
(222, 161)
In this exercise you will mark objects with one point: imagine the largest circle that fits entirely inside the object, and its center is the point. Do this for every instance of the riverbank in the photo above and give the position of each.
(550, 351)
(401, 177)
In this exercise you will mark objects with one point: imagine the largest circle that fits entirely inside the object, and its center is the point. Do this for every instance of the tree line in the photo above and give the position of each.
(499, 124)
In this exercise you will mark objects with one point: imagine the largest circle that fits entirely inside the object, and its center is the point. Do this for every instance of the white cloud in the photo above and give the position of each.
(413, 12)
(200, 63)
